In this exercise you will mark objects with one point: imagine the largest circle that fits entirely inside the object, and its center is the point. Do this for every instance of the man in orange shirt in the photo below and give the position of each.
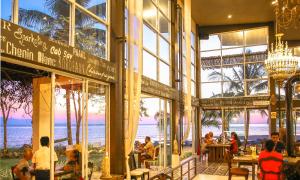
(270, 162)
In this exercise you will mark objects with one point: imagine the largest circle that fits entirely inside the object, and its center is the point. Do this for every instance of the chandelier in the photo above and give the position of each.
(281, 64)
(287, 13)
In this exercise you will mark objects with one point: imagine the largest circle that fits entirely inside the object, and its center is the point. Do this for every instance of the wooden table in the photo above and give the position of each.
(249, 159)
(216, 152)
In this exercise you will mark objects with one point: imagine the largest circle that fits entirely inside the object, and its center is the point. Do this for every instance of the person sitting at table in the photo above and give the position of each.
(73, 162)
(148, 150)
(22, 168)
(279, 146)
(270, 162)
(41, 160)
(207, 139)
(235, 143)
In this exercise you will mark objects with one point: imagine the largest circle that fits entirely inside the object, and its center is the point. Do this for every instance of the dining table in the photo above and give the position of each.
(216, 151)
(253, 161)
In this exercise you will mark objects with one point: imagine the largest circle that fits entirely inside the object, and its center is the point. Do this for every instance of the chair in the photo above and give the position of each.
(265, 171)
(235, 171)
(12, 172)
(91, 169)
(154, 158)
(137, 173)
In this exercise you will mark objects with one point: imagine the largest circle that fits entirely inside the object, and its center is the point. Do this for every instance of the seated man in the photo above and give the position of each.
(270, 162)
(279, 146)
(148, 150)
(41, 160)
(22, 168)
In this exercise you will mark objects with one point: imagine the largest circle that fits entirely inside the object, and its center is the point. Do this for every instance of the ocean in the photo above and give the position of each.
(18, 135)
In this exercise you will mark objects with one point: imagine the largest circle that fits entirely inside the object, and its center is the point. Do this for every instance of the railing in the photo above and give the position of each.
(186, 170)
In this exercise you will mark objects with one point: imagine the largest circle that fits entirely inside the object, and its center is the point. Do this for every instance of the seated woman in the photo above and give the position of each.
(148, 150)
(22, 168)
(208, 139)
(73, 163)
(270, 162)
(235, 143)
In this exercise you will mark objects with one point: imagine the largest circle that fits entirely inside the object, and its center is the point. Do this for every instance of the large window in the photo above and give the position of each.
(156, 40)
(87, 29)
(232, 64)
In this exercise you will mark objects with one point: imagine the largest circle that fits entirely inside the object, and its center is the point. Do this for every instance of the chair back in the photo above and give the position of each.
(228, 157)
(12, 172)
(265, 171)
(156, 152)
(91, 169)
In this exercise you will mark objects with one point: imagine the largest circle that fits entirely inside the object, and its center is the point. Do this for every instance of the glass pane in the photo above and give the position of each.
(235, 51)
(164, 6)
(164, 73)
(49, 19)
(211, 122)
(96, 126)
(209, 75)
(193, 56)
(6, 9)
(149, 65)
(236, 122)
(257, 87)
(256, 53)
(90, 35)
(183, 66)
(164, 26)
(193, 88)
(192, 72)
(258, 125)
(164, 50)
(184, 84)
(211, 90)
(149, 12)
(232, 39)
(231, 73)
(211, 58)
(193, 40)
(149, 39)
(255, 71)
(256, 36)
(68, 122)
(97, 7)
(233, 88)
(254, 49)
(213, 42)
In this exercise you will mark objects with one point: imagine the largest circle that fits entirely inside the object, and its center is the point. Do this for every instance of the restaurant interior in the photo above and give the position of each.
(150, 89)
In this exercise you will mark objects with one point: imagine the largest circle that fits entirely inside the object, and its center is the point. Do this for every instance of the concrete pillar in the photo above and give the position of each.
(41, 102)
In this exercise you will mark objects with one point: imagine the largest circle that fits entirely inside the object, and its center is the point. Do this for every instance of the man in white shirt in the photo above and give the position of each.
(41, 160)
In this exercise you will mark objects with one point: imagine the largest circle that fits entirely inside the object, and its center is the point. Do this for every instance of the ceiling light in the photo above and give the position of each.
(229, 16)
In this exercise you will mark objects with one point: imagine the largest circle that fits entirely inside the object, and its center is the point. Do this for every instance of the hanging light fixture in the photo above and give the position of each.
(281, 64)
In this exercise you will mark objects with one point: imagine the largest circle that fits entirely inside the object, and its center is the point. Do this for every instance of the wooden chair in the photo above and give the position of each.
(264, 171)
(235, 171)
(12, 172)
(154, 158)
(91, 170)
(137, 173)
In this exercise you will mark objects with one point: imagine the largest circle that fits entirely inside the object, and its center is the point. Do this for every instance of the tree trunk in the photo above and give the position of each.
(69, 125)
(78, 122)
(4, 134)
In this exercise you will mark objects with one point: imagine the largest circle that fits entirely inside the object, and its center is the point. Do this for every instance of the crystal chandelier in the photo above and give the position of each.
(287, 13)
(281, 64)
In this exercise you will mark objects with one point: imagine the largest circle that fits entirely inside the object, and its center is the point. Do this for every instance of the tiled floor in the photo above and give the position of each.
(214, 177)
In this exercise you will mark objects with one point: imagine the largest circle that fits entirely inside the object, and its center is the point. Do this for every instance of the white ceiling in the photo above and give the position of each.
(215, 12)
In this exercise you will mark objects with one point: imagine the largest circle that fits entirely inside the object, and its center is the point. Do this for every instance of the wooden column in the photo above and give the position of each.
(198, 131)
(117, 137)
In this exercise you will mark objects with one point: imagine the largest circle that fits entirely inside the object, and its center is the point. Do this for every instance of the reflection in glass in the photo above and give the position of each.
(97, 7)
(257, 87)
(49, 19)
(211, 120)
(164, 6)
(149, 12)
(90, 35)
(96, 126)
(232, 39)
(235, 120)
(6, 10)
(256, 36)
(164, 50)
(212, 43)
(211, 90)
(164, 73)
(258, 124)
(149, 39)
(164, 26)
(149, 65)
